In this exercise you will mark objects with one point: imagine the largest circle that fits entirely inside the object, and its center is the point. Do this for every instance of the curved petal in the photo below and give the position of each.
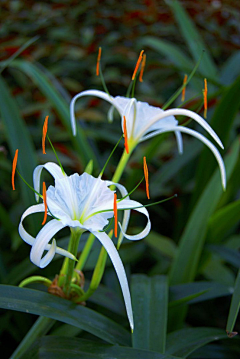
(52, 168)
(126, 214)
(179, 141)
(133, 205)
(204, 140)
(188, 113)
(41, 242)
(96, 93)
(29, 239)
(119, 268)
(129, 204)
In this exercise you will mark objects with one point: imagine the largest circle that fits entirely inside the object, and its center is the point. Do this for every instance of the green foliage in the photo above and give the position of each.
(184, 273)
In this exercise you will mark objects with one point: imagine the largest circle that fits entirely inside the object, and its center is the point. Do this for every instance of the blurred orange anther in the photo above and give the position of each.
(142, 68)
(98, 60)
(44, 134)
(14, 165)
(137, 65)
(125, 134)
(184, 88)
(205, 98)
(45, 203)
(145, 168)
(115, 214)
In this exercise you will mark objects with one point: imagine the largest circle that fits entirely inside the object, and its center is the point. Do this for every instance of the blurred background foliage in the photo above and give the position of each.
(196, 235)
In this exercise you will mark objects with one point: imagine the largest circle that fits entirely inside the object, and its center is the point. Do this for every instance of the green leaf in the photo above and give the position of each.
(229, 255)
(52, 347)
(215, 270)
(39, 328)
(222, 221)
(185, 341)
(18, 138)
(221, 122)
(161, 244)
(59, 104)
(174, 54)
(191, 243)
(149, 300)
(230, 70)
(44, 304)
(193, 39)
(235, 305)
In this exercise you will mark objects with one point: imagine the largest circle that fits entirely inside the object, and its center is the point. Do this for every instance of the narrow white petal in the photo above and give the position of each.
(29, 239)
(131, 118)
(179, 141)
(126, 214)
(202, 139)
(128, 203)
(41, 242)
(188, 113)
(119, 268)
(52, 168)
(132, 204)
(96, 93)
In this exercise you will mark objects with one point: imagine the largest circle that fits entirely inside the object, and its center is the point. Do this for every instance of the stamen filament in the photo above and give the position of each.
(14, 165)
(184, 88)
(137, 65)
(98, 60)
(115, 214)
(145, 168)
(125, 134)
(205, 98)
(45, 203)
(44, 133)
(142, 68)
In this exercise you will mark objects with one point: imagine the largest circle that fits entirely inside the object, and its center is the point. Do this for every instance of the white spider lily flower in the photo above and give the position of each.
(83, 203)
(144, 121)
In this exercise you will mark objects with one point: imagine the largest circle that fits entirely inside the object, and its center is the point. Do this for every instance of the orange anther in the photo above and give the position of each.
(44, 134)
(145, 168)
(98, 60)
(138, 64)
(14, 165)
(142, 68)
(205, 98)
(115, 215)
(184, 88)
(45, 203)
(125, 134)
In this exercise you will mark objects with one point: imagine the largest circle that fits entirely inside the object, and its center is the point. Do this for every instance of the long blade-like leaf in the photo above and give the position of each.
(54, 347)
(185, 341)
(60, 105)
(18, 138)
(193, 39)
(44, 304)
(150, 300)
(235, 305)
(191, 243)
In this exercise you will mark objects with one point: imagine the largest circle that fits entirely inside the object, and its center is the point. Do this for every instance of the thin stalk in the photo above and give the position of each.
(69, 265)
(85, 253)
(97, 274)
(40, 328)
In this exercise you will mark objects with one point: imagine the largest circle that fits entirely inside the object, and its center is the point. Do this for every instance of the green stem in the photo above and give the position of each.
(69, 264)
(85, 252)
(121, 166)
(97, 274)
(40, 328)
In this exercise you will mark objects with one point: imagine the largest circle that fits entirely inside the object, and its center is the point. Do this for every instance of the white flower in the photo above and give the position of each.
(145, 121)
(77, 202)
